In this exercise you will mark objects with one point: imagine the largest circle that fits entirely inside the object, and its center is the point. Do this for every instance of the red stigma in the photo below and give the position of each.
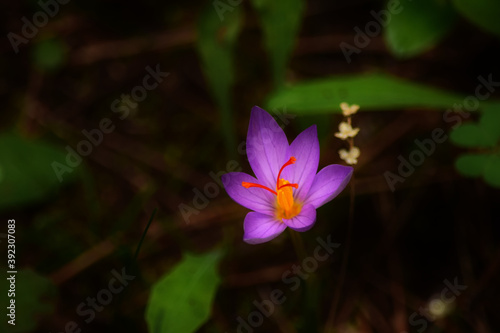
(278, 187)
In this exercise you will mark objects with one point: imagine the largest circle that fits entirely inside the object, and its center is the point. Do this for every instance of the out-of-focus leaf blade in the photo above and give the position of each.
(27, 171)
(485, 134)
(216, 39)
(370, 91)
(491, 172)
(49, 54)
(472, 135)
(34, 298)
(418, 27)
(471, 165)
(490, 120)
(483, 13)
(182, 299)
(280, 20)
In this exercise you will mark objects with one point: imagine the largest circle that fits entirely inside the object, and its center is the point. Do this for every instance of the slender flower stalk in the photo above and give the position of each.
(350, 157)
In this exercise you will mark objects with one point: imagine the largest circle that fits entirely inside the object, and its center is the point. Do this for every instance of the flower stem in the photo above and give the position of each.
(298, 244)
(333, 309)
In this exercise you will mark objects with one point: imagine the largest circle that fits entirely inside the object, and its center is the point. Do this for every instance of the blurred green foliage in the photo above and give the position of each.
(181, 301)
(371, 91)
(280, 23)
(217, 35)
(49, 54)
(419, 26)
(477, 165)
(422, 24)
(483, 13)
(484, 137)
(484, 134)
(34, 297)
(26, 170)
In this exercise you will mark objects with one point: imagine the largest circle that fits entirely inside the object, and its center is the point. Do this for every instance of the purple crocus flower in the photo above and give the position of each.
(287, 190)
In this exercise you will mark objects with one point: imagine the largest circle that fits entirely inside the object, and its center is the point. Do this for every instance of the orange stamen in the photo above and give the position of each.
(290, 161)
(248, 185)
(278, 187)
(286, 206)
(292, 185)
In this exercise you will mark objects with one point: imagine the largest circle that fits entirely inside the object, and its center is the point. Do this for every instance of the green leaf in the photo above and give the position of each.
(370, 91)
(49, 54)
(418, 27)
(485, 134)
(280, 21)
(475, 165)
(490, 118)
(34, 298)
(471, 165)
(217, 36)
(27, 172)
(472, 135)
(491, 171)
(483, 13)
(181, 301)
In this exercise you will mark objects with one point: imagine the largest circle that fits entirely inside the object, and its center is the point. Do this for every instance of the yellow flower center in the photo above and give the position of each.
(286, 206)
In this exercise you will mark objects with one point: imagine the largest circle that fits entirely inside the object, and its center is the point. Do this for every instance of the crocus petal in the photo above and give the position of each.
(329, 182)
(260, 228)
(257, 199)
(266, 147)
(304, 221)
(305, 148)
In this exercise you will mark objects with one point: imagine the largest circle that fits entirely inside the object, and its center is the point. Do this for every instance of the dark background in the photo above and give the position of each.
(437, 225)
